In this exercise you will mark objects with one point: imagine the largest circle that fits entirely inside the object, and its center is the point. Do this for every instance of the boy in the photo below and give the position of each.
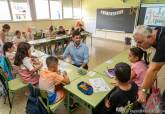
(51, 78)
(120, 95)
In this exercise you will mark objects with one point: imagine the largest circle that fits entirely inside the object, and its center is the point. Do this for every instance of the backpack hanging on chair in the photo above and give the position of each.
(6, 68)
(34, 105)
(4, 88)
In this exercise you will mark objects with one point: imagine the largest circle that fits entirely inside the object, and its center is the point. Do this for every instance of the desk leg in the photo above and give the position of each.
(89, 109)
(68, 103)
(91, 41)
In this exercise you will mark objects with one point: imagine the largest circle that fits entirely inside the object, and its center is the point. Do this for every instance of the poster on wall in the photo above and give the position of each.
(155, 16)
(152, 15)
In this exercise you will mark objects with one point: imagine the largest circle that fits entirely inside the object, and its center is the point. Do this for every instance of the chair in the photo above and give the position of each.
(44, 97)
(11, 86)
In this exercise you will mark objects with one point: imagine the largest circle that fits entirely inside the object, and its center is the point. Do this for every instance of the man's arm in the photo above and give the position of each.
(66, 53)
(86, 57)
(151, 74)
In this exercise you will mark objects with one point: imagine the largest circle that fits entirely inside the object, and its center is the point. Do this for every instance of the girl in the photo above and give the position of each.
(9, 51)
(30, 36)
(25, 63)
(51, 33)
(139, 67)
(18, 38)
(5, 29)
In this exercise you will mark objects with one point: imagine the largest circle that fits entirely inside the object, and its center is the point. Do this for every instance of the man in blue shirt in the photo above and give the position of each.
(78, 51)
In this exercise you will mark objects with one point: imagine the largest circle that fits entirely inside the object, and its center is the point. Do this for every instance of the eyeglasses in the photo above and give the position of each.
(139, 42)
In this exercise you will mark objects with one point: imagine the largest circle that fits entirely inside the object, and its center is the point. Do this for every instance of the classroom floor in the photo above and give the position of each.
(101, 51)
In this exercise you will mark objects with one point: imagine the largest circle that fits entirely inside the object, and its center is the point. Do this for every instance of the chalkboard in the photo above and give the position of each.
(118, 19)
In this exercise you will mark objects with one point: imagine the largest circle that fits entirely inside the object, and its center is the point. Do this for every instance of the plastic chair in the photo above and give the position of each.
(44, 100)
(11, 87)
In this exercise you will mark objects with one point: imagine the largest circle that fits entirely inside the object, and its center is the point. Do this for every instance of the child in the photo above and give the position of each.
(71, 31)
(80, 28)
(27, 69)
(121, 94)
(51, 78)
(17, 38)
(50, 33)
(9, 51)
(24, 36)
(30, 36)
(139, 67)
(61, 31)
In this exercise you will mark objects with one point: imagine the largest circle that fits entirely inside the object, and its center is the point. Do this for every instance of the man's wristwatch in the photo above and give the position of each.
(145, 90)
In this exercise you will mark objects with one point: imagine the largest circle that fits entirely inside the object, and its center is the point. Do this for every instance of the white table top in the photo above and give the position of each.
(45, 40)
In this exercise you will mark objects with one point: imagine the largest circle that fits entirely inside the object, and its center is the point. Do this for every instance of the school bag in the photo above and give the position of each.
(4, 88)
(6, 68)
(34, 105)
(153, 104)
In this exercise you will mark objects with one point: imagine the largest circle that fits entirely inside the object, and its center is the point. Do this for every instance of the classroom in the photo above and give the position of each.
(82, 56)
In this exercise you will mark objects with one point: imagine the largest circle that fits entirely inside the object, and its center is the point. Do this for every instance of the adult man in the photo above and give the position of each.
(78, 51)
(146, 37)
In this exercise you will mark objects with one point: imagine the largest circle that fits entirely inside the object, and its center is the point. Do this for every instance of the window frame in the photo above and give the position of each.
(34, 16)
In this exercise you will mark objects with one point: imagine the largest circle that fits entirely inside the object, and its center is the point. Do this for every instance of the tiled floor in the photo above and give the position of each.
(101, 51)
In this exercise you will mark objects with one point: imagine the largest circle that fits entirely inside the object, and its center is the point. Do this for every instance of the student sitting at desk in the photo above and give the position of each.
(24, 36)
(120, 95)
(50, 33)
(9, 51)
(71, 31)
(78, 51)
(27, 66)
(80, 28)
(51, 79)
(30, 36)
(139, 67)
(18, 38)
(61, 31)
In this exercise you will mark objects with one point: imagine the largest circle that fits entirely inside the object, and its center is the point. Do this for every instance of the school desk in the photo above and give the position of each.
(122, 57)
(89, 102)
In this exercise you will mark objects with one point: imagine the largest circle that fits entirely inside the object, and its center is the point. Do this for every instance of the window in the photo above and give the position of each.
(20, 10)
(67, 8)
(56, 9)
(42, 9)
(4, 11)
(76, 8)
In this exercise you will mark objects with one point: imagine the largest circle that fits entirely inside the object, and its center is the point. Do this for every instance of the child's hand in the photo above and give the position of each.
(107, 103)
(40, 65)
(59, 72)
(65, 73)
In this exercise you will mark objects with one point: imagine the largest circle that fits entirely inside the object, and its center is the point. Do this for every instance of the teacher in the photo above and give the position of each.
(145, 37)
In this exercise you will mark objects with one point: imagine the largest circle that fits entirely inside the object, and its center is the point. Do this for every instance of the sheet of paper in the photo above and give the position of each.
(99, 85)
(37, 53)
(90, 73)
(109, 62)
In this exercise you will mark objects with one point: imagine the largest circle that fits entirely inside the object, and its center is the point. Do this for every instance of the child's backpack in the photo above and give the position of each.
(4, 90)
(153, 104)
(6, 68)
(34, 105)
